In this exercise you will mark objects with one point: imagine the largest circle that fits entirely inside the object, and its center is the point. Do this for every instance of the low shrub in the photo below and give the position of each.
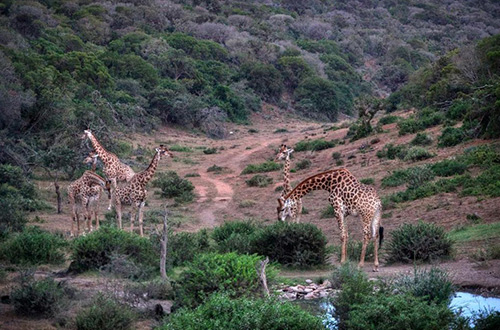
(303, 164)
(409, 126)
(391, 151)
(420, 242)
(222, 312)
(43, 297)
(291, 244)
(259, 180)
(155, 289)
(448, 167)
(339, 162)
(234, 236)
(451, 136)
(215, 168)
(388, 120)
(209, 273)
(354, 251)
(395, 312)
(327, 213)
(418, 175)
(314, 145)
(121, 266)
(486, 320)
(33, 246)
(369, 181)
(422, 139)
(396, 178)
(336, 155)
(281, 130)
(173, 186)
(432, 285)
(417, 153)
(210, 151)
(105, 313)
(95, 250)
(183, 247)
(484, 156)
(268, 166)
(359, 130)
(179, 148)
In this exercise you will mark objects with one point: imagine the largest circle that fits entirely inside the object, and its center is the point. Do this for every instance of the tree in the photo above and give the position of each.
(317, 97)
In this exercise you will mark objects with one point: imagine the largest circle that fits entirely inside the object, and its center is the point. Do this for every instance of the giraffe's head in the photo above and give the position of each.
(285, 208)
(87, 134)
(163, 151)
(283, 152)
(91, 158)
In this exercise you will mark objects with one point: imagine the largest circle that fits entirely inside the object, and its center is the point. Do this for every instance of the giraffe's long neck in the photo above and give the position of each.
(92, 178)
(148, 173)
(287, 187)
(103, 153)
(324, 181)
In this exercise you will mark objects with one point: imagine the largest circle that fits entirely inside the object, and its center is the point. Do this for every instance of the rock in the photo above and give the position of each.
(308, 290)
(327, 284)
(309, 281)
(311, 295)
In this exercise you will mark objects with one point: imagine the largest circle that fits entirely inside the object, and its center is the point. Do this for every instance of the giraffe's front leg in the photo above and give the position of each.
(118, 208)
(141, 215)
(113, 193)
(133, 213)
(338, 207)
(366, 237)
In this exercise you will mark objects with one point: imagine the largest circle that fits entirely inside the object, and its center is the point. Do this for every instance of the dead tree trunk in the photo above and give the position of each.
(58, 194)
(261, 271)
(163, 253)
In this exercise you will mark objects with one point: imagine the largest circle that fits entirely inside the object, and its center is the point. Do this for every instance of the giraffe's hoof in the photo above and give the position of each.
(375, 270)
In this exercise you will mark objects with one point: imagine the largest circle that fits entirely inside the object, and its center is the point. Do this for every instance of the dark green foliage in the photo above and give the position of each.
(354, 251)
(318, 97)
(391, 151)
(33, 246)
(183, 247)
(293, 70)
(259, 180)
(420, 242)
(222, 312)
(486, 320)
(314, 145)
(268, 166)
(226, 99)
(328, 212)
(485, 184)
(199, 49)
(303, 164)
(215, 168)
(173, 186)
(105, 313)
(336, 155)
(433, 285)
(394, 312)
(234, 236)
(421, 139)
(210, 151)
(388, 120)
(359, 130)
(417, 153)
(209, 273)
(370, 181)
(484, 156)
(299, 245)
(448, 167)
(451, 136)
(396, 178)
(95, 250)
(42, 298)
(413, 177)
(264, 79)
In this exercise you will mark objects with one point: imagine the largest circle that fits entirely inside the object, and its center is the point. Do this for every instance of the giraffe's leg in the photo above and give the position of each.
(375, 233)
(73, 214)
(141, 215)
(338, 207)
(88, 216)
(366, 237)
(133, 213)
(299, 211)
(113, 192)
(118, 208)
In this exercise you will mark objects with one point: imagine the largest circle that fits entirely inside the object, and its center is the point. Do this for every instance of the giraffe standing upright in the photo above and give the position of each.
(347, 196)
(82, 193)
(284, 153)
(134, 192)
(114, 169)
(93, 202)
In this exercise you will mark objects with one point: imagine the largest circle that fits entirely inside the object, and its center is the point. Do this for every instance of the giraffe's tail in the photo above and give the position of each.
(380, 236)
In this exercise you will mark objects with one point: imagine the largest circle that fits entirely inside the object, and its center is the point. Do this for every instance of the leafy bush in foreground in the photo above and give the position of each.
(33, 246)
(291, 244)
(173, 186)
(96, 249)
(183, 247)
(105, 314)
(208, 273)
(222, 312)
(417, 153)
(234, 236)
(448, 167)
(42, 297)
(420, 242)
(421, 139)
(432, 285)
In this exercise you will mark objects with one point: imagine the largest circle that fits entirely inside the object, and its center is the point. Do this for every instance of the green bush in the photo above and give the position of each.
(388, 120)
(354, 251)
(210, 151)
(451, 136)
(259, 180)
(95, 250)
(314, 145)
(409, 126)
(268, 166)
(417, 153)
(448, 167)
(303, 164)
(222, 312)
(486, 320)
(359, 130)
(173, 186)
(420, 242)
(336, 155)
(33, 246)
(484, 156)
(396, 178)
(395, 312)
(234, 236)
(369, 181)
(417, 176)
(422, 139)
(209, 273)
(215, 168)
(183, 247)
(105, 313)
(298, 245)
(391, 151)
(318, 97)
(43, 297)
(432, 285)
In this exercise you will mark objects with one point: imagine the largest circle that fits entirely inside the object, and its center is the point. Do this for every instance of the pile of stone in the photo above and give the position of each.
(307, 292)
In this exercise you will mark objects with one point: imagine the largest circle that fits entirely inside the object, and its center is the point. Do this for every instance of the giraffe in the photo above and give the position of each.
(284, 153)
(93, 203)
(85, 192)
(114, 169)
(134, 192)
(347, 196)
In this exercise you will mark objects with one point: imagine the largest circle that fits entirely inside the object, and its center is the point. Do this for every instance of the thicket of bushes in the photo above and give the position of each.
(314, 145)
(105, 313)
(268, 166)
(173, 186)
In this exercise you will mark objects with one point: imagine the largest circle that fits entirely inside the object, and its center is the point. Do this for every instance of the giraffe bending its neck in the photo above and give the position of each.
(84, 193)
(347, 196)
(134, 193)
(114, 169)
(284, 153)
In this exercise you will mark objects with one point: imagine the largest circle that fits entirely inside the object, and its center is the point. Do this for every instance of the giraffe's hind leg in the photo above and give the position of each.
(338, 207)
(141, 216)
